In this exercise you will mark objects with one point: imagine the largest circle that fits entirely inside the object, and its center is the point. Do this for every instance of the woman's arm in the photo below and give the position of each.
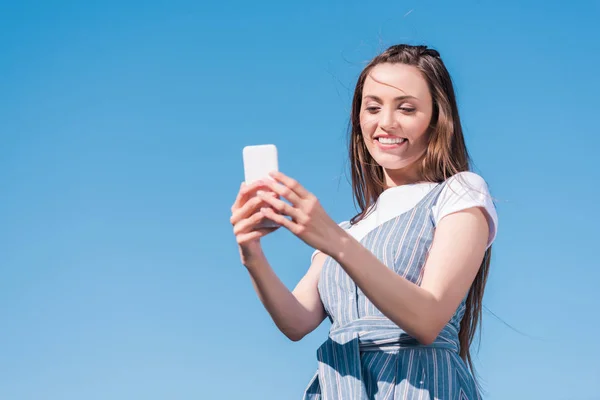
(295, 313)
(422, 311)
(458, 248)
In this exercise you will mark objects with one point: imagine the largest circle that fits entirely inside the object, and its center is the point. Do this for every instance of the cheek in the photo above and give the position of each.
(368, 124)
(417, 127)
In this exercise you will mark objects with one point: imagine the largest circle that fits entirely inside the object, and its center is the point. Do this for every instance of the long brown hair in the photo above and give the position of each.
(446, 156)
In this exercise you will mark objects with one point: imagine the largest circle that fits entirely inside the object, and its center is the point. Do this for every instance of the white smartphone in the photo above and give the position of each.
(259, 160)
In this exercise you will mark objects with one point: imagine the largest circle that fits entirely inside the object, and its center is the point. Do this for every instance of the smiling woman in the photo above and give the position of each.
(396, 110)
(402, 281)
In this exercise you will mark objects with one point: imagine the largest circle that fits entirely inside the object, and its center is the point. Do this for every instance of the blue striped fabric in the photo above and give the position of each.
(367, 356)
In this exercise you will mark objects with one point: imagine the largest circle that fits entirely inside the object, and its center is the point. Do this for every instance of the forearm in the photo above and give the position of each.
(290, 316)
(406, 304)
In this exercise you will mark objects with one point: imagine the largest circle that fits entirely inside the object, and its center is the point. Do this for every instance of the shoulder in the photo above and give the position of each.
(467, 181)
(465, 186)
(466, 190)
(345, 225)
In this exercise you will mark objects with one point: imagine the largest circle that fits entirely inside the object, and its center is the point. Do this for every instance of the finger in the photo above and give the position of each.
(247, 224)
(283, 191)
(281, 206)
(248, 237)
(238, 198)
(243, 212)
(245, 192)
(269, 192)
(266, 231)
(293, 184)
(278, 218)
(255, 234)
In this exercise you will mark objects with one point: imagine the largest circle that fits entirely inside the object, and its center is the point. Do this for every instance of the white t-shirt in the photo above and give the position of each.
(462, 191)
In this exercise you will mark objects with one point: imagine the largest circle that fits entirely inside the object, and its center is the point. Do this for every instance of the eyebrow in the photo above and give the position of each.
(373, 97)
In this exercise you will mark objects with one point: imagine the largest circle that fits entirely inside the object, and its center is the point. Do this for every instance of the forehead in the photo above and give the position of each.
(393, 80)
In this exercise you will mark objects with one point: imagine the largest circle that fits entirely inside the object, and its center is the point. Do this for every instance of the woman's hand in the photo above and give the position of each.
(245, 216)
(309, 221)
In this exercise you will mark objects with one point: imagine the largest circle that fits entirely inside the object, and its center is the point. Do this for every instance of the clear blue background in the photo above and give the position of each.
(121, 131)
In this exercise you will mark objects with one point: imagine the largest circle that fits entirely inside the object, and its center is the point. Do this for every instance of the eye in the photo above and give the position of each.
(407, 109)
(372, 109)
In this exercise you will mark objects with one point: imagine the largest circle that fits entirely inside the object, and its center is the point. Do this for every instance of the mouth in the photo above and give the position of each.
(389, 141)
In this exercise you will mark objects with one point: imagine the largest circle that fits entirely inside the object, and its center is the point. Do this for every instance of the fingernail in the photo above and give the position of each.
(260, 192)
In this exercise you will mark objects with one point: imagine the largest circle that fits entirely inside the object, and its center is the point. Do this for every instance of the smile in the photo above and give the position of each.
(389, 142)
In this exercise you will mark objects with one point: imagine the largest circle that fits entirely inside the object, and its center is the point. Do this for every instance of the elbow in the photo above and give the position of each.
(294, 336)
(427, 332)
(301, 327)
(427, 338)
(429, 324)
(424, 332)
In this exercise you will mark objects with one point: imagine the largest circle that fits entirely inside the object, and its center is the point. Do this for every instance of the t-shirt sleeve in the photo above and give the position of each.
(466, 190)
(345, 225)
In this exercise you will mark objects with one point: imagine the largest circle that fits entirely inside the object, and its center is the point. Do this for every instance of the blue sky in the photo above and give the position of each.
(121, 131)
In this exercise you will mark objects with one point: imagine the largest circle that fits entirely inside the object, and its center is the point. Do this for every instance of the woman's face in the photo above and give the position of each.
(395, 114)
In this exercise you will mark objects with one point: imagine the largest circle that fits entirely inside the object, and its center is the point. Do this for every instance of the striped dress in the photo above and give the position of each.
(366, 355)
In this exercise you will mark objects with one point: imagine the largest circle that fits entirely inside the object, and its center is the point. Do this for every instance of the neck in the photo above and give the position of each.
(403, 176)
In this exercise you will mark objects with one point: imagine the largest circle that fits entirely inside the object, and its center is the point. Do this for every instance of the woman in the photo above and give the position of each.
(402, 282)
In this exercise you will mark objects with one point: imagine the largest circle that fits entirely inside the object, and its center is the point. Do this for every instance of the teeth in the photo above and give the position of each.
(384, 140)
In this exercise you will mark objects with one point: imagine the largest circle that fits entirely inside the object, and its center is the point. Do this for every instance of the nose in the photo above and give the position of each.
(388, 120)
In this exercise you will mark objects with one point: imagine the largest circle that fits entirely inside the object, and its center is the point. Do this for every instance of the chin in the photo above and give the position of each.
(390, 162)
